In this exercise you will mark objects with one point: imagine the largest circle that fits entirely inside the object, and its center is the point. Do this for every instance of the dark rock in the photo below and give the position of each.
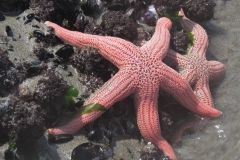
(10, 154)
(91, 8)
(13, 7)
(2, 18)
(80, 22)
(55, 10)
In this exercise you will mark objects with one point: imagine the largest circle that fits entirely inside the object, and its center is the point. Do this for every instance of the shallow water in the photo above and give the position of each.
(220, 137)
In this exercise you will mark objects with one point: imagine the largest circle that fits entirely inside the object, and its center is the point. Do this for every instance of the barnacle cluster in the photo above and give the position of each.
(55, 11)
(10, 74)
(196, 10)
(167, 6)
(119, 25)
(179, 39)
(199, 10)
(23, 121)
(95, 68)
(49, 90)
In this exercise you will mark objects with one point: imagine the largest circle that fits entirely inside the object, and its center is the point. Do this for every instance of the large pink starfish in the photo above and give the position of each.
(195, 68)
(142, 73)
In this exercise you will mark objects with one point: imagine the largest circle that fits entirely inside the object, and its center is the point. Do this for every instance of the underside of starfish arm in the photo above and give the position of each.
(117, 88)
(146, 103)
(159, 43)
(202, 91)
(200, 42)
(217, 70)
(114, 49)
(173, 83)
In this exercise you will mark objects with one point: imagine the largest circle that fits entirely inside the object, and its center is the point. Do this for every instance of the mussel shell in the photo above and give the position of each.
(30, 16)
(60, 138)
(94, 135)
(2, 18)
(65, 52)
(9, 31)
(138, 8)
(38, 34)
(117, 5)
(86, 151)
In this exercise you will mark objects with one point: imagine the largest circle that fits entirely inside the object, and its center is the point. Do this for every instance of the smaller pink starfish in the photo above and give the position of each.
(142, 73)
(195, 68)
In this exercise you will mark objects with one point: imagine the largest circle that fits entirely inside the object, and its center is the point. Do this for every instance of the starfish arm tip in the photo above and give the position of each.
(47, 23)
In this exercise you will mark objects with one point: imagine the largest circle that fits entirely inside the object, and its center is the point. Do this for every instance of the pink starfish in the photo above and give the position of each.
(141, 72)
(195, 68)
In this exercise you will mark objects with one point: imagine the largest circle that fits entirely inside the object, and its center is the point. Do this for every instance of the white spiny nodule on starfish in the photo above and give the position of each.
(142, 73)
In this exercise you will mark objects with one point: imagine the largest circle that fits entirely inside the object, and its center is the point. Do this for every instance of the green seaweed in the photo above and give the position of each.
(191, 38)
(92, 107)
(173, 16)
(71, 92)
(11, 145)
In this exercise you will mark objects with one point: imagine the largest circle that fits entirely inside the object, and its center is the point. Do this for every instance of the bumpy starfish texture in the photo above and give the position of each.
(195, 68)
(141, 72)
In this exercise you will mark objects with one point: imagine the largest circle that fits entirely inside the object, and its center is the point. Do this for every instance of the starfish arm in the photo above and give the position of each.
(117, 88)
(189, 76)
(148, 119)
(176, 59)
(173, 83)
(202, 91)
(217, 70)
(159, 43)
(114, 49)
(200, 42)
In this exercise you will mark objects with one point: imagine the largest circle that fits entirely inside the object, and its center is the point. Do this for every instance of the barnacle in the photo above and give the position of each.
(24, 121)
(119, 25)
